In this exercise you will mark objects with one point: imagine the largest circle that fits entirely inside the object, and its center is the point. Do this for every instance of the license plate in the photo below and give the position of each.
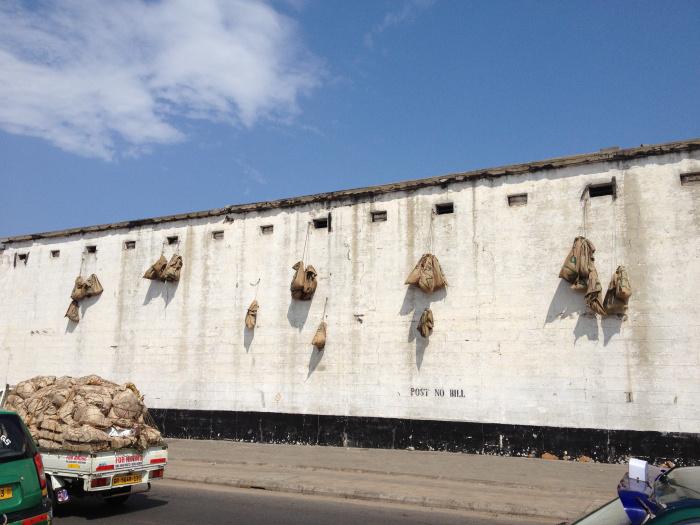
(5, 492)
(126, 479)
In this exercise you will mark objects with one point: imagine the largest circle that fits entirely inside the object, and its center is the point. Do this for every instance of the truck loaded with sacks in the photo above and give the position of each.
(95, 437)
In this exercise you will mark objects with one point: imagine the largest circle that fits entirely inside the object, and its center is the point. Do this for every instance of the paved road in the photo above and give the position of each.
(173, 502)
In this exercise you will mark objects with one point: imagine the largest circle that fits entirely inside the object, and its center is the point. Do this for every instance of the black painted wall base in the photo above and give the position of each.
(609, 446)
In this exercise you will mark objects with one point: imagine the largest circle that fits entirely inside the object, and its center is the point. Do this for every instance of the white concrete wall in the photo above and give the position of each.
(509, 334)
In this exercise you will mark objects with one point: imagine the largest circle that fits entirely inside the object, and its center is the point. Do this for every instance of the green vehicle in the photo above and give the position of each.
(23, 491)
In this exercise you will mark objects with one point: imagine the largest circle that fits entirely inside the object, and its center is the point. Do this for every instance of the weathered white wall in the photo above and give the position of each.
(509, 334)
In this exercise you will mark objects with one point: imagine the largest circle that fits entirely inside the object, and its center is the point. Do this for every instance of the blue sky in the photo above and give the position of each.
(123, 110)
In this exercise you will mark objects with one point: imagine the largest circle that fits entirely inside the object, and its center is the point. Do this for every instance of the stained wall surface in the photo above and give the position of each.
(512, 343)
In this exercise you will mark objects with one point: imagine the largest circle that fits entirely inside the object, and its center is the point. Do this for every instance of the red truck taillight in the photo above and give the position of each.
(40, 471)
(99, 482)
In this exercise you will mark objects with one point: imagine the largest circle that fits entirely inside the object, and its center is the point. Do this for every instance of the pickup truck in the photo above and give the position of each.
(113, 475)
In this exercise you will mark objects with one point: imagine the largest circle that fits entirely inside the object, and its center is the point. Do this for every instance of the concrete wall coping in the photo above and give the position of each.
(605, 155)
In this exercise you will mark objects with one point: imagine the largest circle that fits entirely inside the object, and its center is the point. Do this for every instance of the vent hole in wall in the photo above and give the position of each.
(173, 239)
(690, 179)
(218, 235)
(91, 249)
(55, 254)
(444, 208)
(321, 223)
(379, 216)
(601, 190)
(266, 229)
(129, 245)
(519, 199)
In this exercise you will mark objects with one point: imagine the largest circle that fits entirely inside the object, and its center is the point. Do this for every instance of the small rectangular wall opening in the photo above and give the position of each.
(129, 245)
(444, 208)
(379, 216)
(519, 199)
(690, 179)
(173, 239)
(91, 249)
(602, 189)
(21, 258)
(321, 222)
(55, 254)
(266, 229)
(218, 235)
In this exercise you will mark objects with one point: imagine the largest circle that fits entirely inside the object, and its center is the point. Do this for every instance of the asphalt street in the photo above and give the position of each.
(175, 502)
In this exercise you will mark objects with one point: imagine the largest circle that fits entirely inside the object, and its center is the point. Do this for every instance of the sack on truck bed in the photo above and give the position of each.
(619, 292)
(427, 274)
(91, 415)
(126, 404)
(86, 414)
(48, 444)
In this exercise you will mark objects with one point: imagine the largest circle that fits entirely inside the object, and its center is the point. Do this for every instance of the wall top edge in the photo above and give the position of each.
(605, 155)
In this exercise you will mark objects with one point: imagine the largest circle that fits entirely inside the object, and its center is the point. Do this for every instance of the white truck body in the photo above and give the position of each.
(114, 468)
(109, 473)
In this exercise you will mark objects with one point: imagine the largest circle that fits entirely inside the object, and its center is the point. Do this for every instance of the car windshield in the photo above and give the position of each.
(13, 440)
(679, 484)
(612, 513)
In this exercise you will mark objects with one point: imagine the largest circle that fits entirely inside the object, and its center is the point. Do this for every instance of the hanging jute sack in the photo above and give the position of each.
(155, 271)
(576, 265)
(251, 315)
(619, 292)
(297, 285)
(426, 323)
(80, 289)
(427, 274)
(73, 312)
(319, 340)
(304, 283)
(594, 296)
(172, 270)
(94, 287)
(309, 283)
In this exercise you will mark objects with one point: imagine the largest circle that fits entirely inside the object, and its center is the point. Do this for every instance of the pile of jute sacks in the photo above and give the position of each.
(86, 414)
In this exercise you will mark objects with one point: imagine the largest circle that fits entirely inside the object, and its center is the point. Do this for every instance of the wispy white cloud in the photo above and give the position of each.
(249, 172)
(406, 13)
(105, 78)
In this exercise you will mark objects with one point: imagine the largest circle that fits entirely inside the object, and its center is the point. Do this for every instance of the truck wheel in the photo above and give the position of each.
(117, 500)
(58, 509)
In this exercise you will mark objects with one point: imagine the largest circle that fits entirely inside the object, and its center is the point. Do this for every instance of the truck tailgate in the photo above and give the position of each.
(87, 464)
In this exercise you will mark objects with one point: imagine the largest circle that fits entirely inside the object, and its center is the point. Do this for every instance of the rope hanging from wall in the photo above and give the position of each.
(251, 316)
(427, 274)
(304, 283)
